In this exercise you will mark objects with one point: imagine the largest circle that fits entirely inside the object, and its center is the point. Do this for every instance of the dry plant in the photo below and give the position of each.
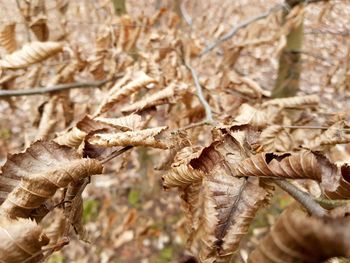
(130, 89)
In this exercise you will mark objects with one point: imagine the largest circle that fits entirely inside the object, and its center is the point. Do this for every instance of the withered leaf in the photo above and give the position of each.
(21, 240)
(31, 53)
(124, 88)
(230, 204)
(168, 95)
(297, 237)
(250, 115)
(146, 137)
(332, 136)
(182, 174)
(8, 37)
(300, 165)
(276, 138)
(28, 179)
(298, 101)
(125, 123)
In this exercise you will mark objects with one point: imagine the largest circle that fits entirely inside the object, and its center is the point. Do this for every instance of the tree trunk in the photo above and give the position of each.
(119, 7)
(287, 82)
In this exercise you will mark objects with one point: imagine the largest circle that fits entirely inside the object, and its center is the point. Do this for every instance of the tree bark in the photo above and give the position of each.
(119, 7)
(287, 82)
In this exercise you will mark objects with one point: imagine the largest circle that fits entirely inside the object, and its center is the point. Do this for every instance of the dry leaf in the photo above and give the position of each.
(276, 138)
(31, 53)
(300, 165)
(123, 89)
(292, 102)
(74, 136)
(47, 121)
(230, 205)
(28, 179)
(71, 138)
(250, 115)
(332, 136)
(8, 37)
(297, 237)
(168, 95)
(55, 231)
(146, 137)
(40, 28)
(126, 123)
(21, 240)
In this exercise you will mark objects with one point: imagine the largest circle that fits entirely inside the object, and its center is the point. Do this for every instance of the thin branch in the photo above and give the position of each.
(241, 25)
(116, 153)
(43, 90)
(302, 197)
(208, 112)
(330, 204)
(191, 126)
(312, 127)
(185, 14)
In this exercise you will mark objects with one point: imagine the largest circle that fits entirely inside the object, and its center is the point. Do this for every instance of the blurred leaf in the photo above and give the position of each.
(133, 197)
(56, 258)
(90, 212)
(166, 254)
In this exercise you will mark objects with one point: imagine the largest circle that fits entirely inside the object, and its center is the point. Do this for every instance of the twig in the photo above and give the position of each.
(208, 112)
(241, 25)
(43, 90)
(330, 204)
(302, 197)
(192, 125)
(116, 153)
(185, 14)
(312, 127)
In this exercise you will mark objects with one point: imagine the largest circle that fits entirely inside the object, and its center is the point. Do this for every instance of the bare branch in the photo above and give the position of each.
(208, 112)
(241, 25)
(330, 204)
(185, 14)
(312, 127)
(43, 90)
(302, 197)
(116, 153)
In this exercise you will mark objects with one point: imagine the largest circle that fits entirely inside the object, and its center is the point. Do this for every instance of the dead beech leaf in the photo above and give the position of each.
(28, 179)
(292, 102)
(74, 136)
(40, 28)
(8, 37)
(276, 138)
(21, 240)
(146, 137)
(124, 88)
(299, 238)
(182, 177)
(73, 207)
(31, 53)
(47, 121)
(330, 137)
(249, 115)
(204, 179)
(168, 95)
(55, 231)
(125, 123)
(230, 205)
(299, 165)
(343, 189)
(71, 138)
(246, 86)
